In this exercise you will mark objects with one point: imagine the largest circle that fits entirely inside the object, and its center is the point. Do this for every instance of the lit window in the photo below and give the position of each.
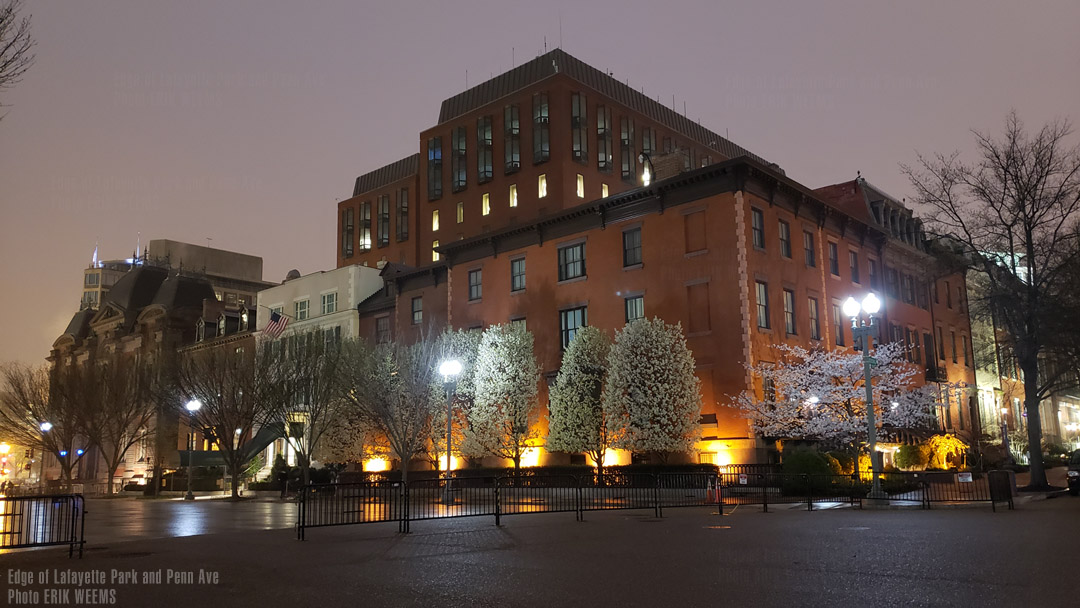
(603, 190)
(485, 203)
(580, 185)
(301, 309)
(329, 303)
(460, 212)
(435, 220)
(483, 150)
(513, 195)
(541, 185)
(365, 226)
(434, 254)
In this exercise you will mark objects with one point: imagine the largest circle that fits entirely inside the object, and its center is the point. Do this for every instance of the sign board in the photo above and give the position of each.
(742, 479)
(963, 477)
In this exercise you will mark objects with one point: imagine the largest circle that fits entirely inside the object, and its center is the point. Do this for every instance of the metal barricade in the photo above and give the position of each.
(42, 521)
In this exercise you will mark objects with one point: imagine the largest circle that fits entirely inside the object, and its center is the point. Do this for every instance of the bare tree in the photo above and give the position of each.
(16, 44)
(114, 404)
(1013, 214)
(302, 393)
(224, 380)
(389, 386)
(30, 400)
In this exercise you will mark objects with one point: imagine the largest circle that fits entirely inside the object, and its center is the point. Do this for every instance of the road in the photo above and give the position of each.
(691, 557)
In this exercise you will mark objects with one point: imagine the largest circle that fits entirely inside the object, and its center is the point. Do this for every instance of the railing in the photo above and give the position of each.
(386, 501)
(915, 489)
(381, 501)
(42, 521)
(342, 504)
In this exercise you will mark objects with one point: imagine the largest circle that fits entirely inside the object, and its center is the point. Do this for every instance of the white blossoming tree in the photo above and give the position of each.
(502, 419)
(652, 399)
(820, 394)
(576, 421)
(460, 345)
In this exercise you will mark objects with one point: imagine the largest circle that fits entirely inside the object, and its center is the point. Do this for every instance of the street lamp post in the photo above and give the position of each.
(192, 407)
(1005, 435)
(862, 335)
(449, 370)
(44, 427)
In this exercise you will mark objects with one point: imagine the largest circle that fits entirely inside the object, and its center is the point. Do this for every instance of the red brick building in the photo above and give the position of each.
(526, 203)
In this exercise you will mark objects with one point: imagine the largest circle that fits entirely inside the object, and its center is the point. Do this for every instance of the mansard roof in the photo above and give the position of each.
(384, 176)
(559, 61)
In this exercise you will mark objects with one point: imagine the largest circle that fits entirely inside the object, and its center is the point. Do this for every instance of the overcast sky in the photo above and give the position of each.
(245, 122)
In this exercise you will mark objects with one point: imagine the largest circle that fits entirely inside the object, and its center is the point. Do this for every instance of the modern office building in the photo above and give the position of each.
(235, 277)
(557, 196)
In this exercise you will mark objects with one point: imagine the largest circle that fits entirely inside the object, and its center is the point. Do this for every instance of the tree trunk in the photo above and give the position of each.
(234, 470)
(404, 470)
(1034, 426)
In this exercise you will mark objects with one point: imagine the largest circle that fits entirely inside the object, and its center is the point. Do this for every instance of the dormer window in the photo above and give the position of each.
(221, 325)
(200, 330)
(244, 320)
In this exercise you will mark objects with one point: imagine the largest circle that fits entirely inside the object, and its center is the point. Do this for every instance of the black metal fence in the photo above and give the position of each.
(341, 504)
(901, 489)
(42, 521)
(386, 501)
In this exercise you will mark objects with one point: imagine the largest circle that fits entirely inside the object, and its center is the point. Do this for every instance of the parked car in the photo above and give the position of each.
(1074, 473)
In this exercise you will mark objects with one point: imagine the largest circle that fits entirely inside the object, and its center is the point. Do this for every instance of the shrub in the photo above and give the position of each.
(846, 461)
(911, 457)
(805, 460)
(835, 467)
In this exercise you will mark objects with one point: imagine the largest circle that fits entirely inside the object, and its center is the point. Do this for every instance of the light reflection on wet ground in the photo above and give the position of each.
(112, 520)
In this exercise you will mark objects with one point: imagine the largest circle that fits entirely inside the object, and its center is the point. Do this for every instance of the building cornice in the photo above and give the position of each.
(735, 175)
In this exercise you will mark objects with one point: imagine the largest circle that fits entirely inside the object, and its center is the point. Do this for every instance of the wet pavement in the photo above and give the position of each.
(120, 519)
(690, 557)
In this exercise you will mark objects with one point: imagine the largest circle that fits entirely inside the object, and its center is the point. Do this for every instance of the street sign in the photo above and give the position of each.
(963, 477)
(742, 479)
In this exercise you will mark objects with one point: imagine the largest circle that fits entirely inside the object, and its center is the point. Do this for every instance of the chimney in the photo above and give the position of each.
(667, 165)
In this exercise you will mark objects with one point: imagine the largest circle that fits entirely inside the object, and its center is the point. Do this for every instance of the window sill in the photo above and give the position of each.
(764, 330)
(573, 280)
(476, 301)
(637, 266)
(759, 249)
(517, 292)
(693, 254)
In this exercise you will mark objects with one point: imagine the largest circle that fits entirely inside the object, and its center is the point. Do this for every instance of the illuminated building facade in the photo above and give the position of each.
(527, 202)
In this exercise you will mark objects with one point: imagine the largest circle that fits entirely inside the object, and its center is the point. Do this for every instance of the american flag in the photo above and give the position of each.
(277, 324)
